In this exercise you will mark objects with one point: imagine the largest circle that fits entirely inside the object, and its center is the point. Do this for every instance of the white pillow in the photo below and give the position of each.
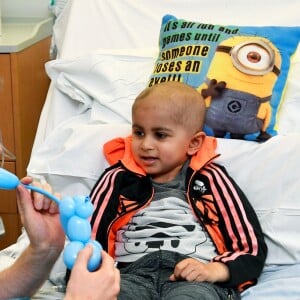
(105, 83)
(74, 149)
(269, 174)
(288, 115)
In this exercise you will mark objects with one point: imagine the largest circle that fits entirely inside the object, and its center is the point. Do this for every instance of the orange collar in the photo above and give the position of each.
(119, 149)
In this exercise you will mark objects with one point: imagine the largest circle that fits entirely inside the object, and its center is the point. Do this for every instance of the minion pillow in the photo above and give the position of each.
(240, 71)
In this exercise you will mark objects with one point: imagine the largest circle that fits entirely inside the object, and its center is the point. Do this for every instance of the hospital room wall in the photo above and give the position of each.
(24, 83)
(24, 8)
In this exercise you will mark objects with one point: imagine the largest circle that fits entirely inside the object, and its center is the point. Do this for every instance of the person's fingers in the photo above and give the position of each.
(24, 202)
(108, 267)
(85, 254)
(46, 201)
(57, 195)
(23, 197)
(83, 257)
(107, 260)
(26, 180)
(53, 209)
(172, 278)
(39, 200)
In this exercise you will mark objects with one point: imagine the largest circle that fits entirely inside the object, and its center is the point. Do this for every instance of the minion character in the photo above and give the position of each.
(239, 87)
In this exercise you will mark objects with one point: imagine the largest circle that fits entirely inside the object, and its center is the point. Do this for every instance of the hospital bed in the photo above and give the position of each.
(106, 50)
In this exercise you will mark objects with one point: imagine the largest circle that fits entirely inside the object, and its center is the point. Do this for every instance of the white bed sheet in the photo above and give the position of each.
(269, 173)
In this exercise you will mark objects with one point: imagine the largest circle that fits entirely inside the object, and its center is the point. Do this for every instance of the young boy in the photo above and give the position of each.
(176, 223)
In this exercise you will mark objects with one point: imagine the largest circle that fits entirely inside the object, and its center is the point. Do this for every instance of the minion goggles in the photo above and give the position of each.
(252, 57)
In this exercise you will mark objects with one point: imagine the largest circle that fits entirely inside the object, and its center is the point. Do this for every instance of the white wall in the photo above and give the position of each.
(25, 8)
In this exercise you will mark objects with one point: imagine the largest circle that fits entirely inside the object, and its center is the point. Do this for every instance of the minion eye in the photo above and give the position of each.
(255, 58)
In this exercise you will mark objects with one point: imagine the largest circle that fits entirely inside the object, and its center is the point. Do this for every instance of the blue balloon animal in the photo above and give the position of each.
(74, 214)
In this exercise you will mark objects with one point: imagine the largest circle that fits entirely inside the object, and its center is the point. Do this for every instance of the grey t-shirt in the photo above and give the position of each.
(168, 223)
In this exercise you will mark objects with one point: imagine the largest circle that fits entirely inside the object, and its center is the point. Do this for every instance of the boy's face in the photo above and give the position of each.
(159, 144)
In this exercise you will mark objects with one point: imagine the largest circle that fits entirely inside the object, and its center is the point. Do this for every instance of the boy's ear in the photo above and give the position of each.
(196, 142)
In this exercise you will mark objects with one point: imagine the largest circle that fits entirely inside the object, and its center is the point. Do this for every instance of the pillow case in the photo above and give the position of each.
(241, 72)
(269, 174)
(288, 117)
(104, 82)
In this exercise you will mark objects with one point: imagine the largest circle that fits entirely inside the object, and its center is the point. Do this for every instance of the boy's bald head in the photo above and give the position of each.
(185, 104)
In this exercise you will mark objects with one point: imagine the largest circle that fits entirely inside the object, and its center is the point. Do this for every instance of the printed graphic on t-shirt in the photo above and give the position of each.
(166, 224)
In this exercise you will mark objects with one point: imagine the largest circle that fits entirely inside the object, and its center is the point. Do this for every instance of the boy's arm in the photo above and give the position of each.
(244, 240)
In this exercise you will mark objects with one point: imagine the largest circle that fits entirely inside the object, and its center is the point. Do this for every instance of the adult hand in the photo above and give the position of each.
(39, 216)
(41, 220)
(103, 283)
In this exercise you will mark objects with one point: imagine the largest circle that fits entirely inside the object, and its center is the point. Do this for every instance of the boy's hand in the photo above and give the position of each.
(191, 269)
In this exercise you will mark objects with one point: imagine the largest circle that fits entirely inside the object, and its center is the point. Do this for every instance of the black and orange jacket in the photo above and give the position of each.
(218, 203)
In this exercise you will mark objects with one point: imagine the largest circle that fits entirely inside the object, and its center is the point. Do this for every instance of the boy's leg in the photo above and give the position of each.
(184, 290)
(135, 287)
(142, 278)
(139, 279)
